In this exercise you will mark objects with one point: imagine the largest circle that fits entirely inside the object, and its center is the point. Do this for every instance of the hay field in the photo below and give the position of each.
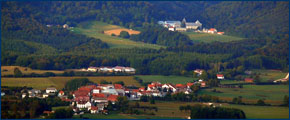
(59, 82)
(118, 31)
(10, 70)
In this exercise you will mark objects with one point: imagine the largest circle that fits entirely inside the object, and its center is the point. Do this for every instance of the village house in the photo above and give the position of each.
(60, 93)
(212, 30)
(65, 26)
(51, 90)
(249, 80)
(220, 76)
(94, 110)
(198, 71)
(220, 33)
(92, 69)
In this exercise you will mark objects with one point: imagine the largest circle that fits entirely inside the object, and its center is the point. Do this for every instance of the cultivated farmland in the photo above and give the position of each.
(97, 29)
(59, 82)
(166, 79)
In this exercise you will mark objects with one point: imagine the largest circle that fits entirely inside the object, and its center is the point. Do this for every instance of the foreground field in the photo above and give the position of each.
(97, 29)
(273, 94)
(59, 82)
(24, 70)
(206, 37)
(121, 116)
(171, 109)
(165, 79)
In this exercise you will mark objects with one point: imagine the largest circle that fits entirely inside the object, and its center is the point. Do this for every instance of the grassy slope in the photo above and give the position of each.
(59, 82)
(165, 79)
(266, 75)
(205, 37)
(95, 28)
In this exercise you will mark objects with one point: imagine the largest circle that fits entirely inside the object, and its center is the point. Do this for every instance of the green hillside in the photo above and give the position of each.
(205, 37)
(95, 29)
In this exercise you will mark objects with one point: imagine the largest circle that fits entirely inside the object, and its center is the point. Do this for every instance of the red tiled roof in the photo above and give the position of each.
(190, 84)
(61, 92)
(151, 86)
(113, 98)
(249, 80)
(141, 89)
(118, 86)
(212, 29)
(101, 95)
(94, 108)
(135, 90)
(219, 75)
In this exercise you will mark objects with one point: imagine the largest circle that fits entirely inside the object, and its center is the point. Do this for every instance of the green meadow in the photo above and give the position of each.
(207, 38)
(95, 29)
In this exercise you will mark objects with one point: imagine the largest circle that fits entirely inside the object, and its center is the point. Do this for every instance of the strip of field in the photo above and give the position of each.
(171, 109)
(270, 75)
(273, 94)
(9, 70)
(118, 31)
(59, 82)
(165, 79)
(207, 38)
(96, 29)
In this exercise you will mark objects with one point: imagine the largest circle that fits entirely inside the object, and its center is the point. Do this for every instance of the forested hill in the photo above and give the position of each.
(247, 19)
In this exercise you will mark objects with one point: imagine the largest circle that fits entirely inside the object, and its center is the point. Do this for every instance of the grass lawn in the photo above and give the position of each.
(59, 82)
(165, 79)
(171, 109)
(95, 28)
(207, 38)
(260, 112)
(10, 70)
(273, 94)
(267, 75)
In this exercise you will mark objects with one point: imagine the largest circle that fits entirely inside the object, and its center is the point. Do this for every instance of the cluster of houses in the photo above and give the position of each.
(181, 26)
(65, 26)
(111, 69)
(39, 94)
(95, 98)
(187, 26)
(211, 31)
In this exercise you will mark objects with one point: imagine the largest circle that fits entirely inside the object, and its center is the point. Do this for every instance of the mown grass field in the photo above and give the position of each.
(207, 38)
(270, 75)
(171, 109)
(10, 70)
(59, 82)
(273, 94)
(95, 29)
(165, 79)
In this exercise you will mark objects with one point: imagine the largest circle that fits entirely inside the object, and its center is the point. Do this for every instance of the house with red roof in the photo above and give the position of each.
(60, 93)
(220, 76)
(198, 71)
(141, 89)
(249, 80)
(94, 110)
(189, 85)
(113, 98)
(220, 33)
(203, 84)
(118, 86)
(212, 30)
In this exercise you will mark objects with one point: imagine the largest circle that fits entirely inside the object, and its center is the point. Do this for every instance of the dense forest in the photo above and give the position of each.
(264, 25)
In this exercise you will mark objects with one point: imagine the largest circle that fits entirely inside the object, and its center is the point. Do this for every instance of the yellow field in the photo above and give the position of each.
(118, 31)
(27, 71)
(59, 82)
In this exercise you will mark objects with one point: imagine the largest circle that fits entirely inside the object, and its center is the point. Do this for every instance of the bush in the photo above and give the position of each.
(124, 34)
